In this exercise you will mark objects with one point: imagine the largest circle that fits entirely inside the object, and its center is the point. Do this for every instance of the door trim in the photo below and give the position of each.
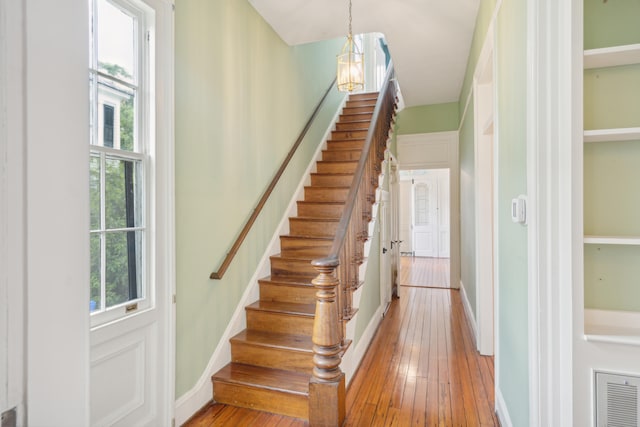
(438, 150)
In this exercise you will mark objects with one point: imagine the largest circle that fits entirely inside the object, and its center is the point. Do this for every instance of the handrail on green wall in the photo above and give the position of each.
(217, 275)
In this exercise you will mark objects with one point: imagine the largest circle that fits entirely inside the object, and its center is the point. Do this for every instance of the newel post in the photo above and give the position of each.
(327, 384)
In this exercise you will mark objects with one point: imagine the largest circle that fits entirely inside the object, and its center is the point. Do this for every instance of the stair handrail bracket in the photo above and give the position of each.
(338, 271)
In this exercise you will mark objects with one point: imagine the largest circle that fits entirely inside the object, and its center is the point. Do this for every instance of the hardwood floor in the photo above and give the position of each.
(422, 369)
(424, 272)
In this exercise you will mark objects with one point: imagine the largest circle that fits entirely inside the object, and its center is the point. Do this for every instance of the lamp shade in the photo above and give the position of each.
(350, 71)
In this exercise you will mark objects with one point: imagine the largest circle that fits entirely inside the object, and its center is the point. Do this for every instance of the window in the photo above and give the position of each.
(118, 161)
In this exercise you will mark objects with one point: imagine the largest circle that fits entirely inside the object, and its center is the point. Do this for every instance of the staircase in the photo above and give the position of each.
(272, 360)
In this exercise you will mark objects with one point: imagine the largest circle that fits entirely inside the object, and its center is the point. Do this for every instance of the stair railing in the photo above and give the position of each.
(217, 275)
(338, 272)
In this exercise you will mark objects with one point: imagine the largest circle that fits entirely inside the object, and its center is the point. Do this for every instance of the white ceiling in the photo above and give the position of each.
(429, 40)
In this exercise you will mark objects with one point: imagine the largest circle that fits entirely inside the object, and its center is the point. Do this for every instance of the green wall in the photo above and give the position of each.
(467, 207)
(428, 118)
(242, 97)
(511, 177)
(611, 23)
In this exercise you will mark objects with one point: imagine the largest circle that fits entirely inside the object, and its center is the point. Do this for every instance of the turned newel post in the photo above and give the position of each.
(327, 385)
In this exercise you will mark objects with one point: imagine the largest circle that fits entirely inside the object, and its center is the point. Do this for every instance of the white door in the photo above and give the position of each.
(406, 238)
(385, 251)
(131, 380)
(430, 214)
(425, 237)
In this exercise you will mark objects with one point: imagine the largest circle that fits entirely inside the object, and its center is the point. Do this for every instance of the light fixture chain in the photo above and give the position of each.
(350, 32)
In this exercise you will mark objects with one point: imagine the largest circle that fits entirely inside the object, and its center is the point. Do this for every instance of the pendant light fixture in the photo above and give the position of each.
(350, 64)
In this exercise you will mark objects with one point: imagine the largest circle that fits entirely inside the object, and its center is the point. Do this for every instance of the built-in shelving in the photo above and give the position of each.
(612, 56)
(607, 326)
(612, 240)
(609, 135)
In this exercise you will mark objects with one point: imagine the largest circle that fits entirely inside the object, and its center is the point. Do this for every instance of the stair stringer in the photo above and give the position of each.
(193, 400)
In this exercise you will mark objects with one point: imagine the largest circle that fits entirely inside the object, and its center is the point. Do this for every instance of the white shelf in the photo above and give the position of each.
(610, 135)
(611, 240)
(612, 56)
(615, 327)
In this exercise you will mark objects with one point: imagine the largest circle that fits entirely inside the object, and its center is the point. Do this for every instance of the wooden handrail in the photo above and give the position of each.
(217, 275)
(350, 202)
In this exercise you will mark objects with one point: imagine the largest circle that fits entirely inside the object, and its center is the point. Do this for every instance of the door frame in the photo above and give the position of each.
(438, 150)
(485, 184)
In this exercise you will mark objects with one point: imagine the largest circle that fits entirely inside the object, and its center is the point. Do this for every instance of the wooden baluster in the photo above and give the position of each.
(327, 384)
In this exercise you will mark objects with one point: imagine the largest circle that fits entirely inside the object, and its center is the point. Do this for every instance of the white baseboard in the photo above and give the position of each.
(501, 410)
(193, 400)
(468, 311)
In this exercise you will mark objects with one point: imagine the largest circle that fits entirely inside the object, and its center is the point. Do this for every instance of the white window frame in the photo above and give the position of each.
(144, 148)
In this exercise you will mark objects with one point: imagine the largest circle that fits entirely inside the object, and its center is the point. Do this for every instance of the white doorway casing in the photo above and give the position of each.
(438, 150)
(484, 153)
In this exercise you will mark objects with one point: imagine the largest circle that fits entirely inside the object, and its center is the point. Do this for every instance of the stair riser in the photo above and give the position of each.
(320, 194)
(277, 402)
(352, 126)
(319, 210)
(361, 103)
(357, 144)
(301, 247)
(357, 110)
(331, 180)
(284, 293)
(269, 357)
(313, 228)
(291, 266)
(348, 134)
(363, 95)
(337, 167)
(344, 118)
(279, 322)
(334, 155)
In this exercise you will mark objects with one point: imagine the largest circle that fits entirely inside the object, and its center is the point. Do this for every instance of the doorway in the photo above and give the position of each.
(425, 228)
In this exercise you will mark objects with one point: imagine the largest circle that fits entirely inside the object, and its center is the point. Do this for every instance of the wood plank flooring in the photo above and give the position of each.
(422, 369)
(424, 272)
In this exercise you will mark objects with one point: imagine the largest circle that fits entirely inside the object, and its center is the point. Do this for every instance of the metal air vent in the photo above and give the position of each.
(617, 400)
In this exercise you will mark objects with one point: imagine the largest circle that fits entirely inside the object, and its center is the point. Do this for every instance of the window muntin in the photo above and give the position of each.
(119, 147)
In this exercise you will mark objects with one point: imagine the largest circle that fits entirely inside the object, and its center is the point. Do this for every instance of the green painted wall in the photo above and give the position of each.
(242, 97)
(511, 177)
(428, 118)
(608, 102)
(467, 207)
(483, 20)
(611, 23)
(611, 204)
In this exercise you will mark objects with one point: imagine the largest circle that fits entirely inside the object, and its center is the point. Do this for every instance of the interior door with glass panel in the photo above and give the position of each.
(425, 238)
(128, 355)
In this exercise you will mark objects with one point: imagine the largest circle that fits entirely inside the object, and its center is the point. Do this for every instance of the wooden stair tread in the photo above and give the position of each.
(306, 310)
(266, 378)
(275, 340)
(291, 280)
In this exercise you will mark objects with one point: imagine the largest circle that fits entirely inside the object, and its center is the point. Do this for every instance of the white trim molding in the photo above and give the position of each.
(554, 115)
(501, 410)
(468, 311)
